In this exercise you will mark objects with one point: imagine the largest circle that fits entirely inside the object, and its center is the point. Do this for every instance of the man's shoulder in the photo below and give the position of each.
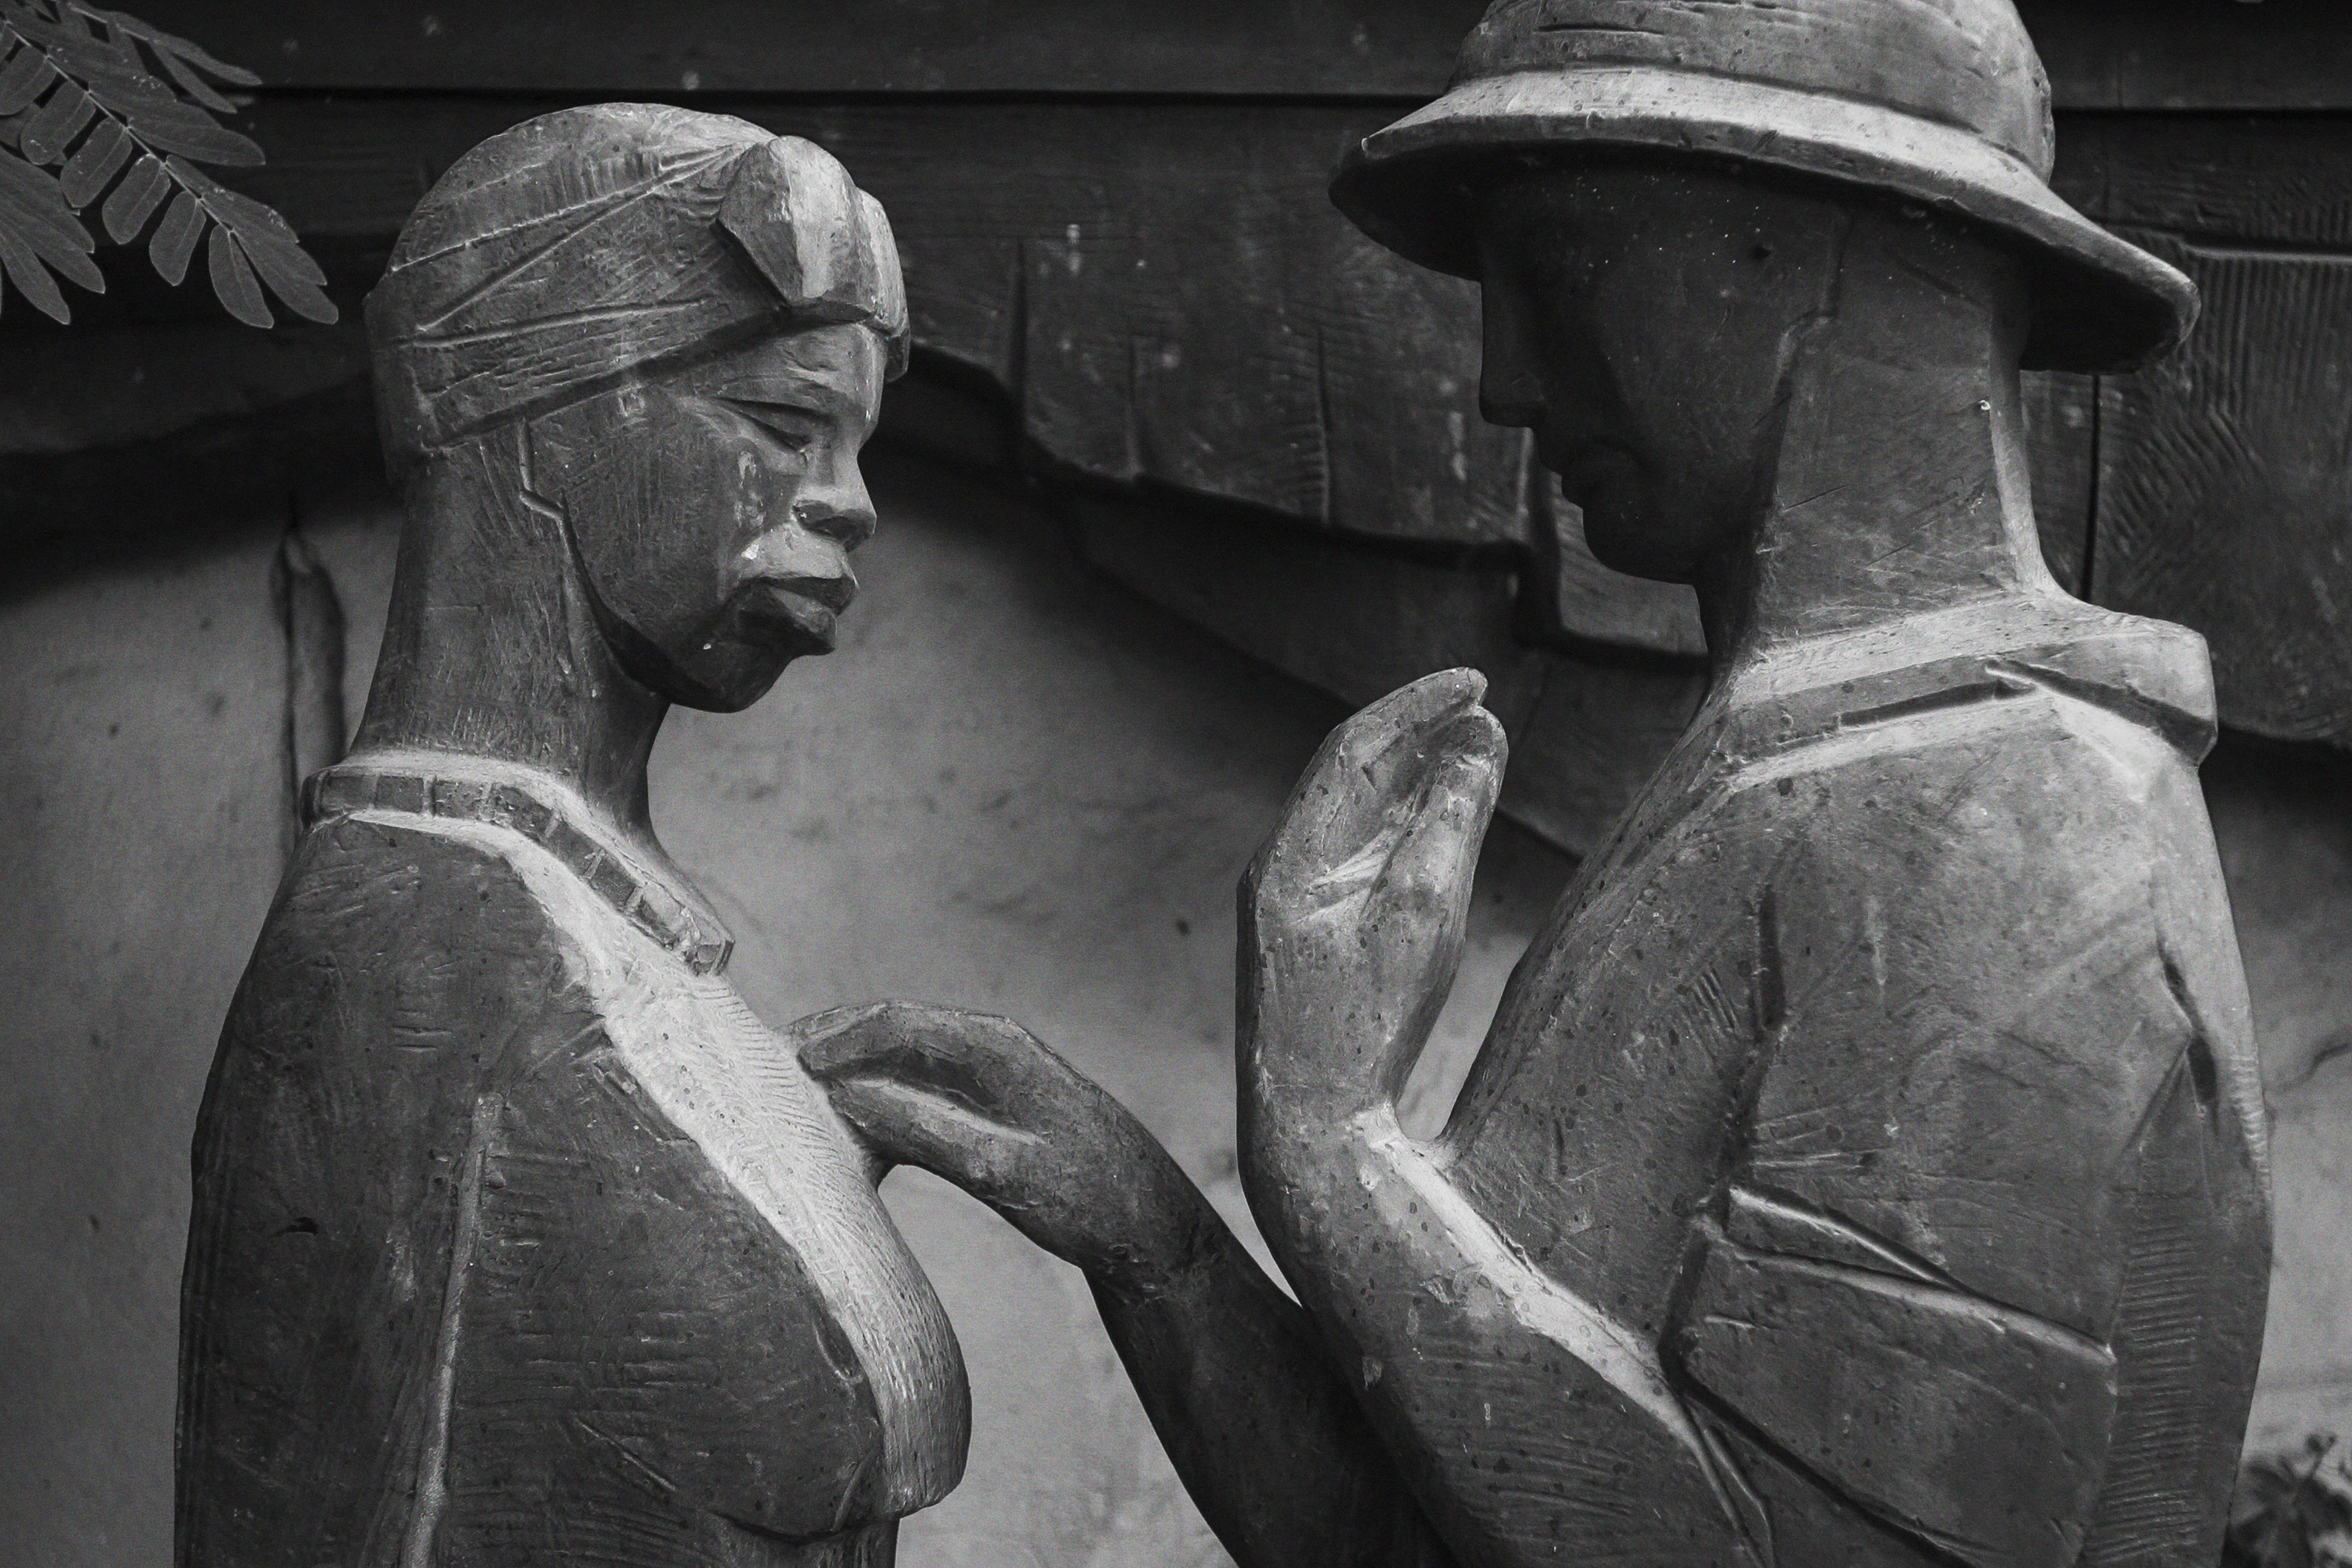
(1972, 659)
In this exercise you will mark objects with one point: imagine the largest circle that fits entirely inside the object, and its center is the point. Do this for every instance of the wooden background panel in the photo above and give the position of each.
(1358, 622)
(2060, 420)
(1395, 49)
(2157, 54)
(2278, 178)
(2225, 485)
(2194, 54)
(1575, 601)
(1163, 295)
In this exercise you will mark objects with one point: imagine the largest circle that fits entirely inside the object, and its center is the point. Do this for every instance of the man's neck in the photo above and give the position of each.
(1901, 487)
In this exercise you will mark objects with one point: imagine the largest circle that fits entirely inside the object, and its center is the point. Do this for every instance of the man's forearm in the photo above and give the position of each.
(1267, 1438)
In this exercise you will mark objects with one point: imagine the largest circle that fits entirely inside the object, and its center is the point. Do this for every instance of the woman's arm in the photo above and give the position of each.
(1264, 1433)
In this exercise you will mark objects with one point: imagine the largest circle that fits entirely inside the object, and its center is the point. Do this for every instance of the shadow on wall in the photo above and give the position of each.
(1015, 787)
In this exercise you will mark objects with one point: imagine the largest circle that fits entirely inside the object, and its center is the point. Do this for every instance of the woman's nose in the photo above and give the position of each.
(833, 504)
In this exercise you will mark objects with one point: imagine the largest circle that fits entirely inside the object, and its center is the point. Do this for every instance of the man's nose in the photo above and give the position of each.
(1510, 392)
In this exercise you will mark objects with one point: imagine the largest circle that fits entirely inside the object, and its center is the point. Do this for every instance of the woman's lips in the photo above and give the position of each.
(833, 592)
(808, 605)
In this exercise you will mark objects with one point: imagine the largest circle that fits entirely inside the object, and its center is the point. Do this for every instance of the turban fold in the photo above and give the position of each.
(557, 256)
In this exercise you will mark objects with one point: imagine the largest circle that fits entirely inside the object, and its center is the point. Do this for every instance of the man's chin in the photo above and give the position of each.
(1629, 541)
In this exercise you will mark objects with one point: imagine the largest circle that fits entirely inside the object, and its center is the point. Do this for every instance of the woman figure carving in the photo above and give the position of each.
(518, 1240)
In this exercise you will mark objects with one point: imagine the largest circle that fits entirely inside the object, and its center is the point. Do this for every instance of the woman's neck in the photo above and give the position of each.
(1900, 486)
(491, 648)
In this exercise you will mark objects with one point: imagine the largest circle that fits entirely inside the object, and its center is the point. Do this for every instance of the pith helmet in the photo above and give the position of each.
(1940, 102)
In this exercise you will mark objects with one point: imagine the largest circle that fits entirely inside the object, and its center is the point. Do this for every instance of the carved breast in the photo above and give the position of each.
(611, 1284)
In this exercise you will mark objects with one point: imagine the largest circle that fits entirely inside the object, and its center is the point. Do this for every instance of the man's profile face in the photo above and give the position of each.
(1639, 319)
(714, 509)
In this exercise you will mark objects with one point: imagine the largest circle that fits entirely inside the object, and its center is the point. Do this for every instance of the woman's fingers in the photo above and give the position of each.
(977, 1060)
(1102, 1195)
(908, 1126)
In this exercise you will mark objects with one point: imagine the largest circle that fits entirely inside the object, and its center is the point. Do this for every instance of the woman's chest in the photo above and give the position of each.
(743, 1201)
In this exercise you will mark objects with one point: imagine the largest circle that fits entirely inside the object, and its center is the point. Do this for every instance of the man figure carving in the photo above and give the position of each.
(1865, 1163)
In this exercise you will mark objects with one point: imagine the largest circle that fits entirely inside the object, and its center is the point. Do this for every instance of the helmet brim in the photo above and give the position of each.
(2100, 304)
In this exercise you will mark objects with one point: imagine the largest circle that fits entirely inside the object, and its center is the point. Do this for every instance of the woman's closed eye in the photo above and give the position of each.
(797, 429)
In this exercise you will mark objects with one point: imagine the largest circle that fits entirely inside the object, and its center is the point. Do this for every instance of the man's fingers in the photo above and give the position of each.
(1423, 891)
(1416, 706)
(1352, 790)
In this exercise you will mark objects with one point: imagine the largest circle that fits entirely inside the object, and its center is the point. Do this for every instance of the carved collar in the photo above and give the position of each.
(524, 802)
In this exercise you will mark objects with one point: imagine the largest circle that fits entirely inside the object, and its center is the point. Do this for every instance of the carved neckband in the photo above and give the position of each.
(518, 802)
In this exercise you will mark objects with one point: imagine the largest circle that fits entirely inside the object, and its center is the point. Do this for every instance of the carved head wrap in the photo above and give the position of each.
(556, 257)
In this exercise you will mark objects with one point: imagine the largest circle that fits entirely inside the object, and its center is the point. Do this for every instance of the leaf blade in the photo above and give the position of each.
(36, 216)
(100, 157)
(56, 123)
(167, 125)
(294, 278)
(23, 270)
(170, 46)
(135, 199)
(269, 242)
(175, 239)
(24, 77)
(233, 280)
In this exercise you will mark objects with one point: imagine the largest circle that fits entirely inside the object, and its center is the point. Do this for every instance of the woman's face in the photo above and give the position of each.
(713, 508)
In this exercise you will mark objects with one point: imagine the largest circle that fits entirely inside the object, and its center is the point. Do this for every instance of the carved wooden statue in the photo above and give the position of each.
(1866, 1164)
(518, 1240)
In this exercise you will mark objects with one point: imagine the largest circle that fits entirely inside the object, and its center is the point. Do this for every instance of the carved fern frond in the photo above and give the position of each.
(83, 113)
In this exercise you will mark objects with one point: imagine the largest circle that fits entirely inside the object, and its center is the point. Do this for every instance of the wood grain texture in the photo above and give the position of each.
(1585, 730)
(2282, 179)
(2061, 424)
(1214, 325)
(2194, 54)
(1790, 1134)
(387, 1357)
(1395, 49)
(517, 1237)
(2225, 485)
(1823, 1190)
(1162, 289)
(2221, 486)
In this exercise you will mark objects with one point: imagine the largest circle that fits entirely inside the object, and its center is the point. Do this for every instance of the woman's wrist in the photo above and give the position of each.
(1180, 1240)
